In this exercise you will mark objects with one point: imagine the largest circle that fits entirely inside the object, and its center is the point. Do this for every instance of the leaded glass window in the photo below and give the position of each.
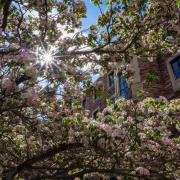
(175, 64)
(111, 79)
(123, 87)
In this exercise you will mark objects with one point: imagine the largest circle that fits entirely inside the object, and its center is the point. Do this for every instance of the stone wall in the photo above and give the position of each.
(165, 77)
(163, 86)
(99, 103)
(143, 69)
(148, 69)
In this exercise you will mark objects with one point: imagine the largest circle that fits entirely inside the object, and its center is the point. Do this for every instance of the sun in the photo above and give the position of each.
(46, 59)
(45, 56)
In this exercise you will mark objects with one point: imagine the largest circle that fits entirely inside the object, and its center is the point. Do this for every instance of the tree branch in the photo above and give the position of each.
(117, 172)
(11, 173)
(9, 51)
(7, 4)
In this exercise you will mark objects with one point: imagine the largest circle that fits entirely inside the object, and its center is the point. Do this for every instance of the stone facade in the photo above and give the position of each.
(99, 104)
(161, 68)
(155, 78)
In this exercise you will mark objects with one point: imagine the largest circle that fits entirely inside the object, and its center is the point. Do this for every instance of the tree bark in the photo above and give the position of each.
(6, 7)
(11, 173)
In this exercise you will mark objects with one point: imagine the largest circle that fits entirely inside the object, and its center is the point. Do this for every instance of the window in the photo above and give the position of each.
(84, 103)
(169, 32)
(97, 93)
(175, 64)
(95, 113)
(111, 79)
(113, 101)
(123, 87)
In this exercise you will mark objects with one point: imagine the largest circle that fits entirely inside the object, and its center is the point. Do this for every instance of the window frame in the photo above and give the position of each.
(84, 103)
(95, 111)
(171, 62)
(95, 95)
(114, 98)
(111, 84)
(119, 87)
(175, 82)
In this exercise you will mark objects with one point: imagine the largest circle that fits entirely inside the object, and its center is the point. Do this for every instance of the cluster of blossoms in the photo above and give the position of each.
(140, 135)
(44, 131)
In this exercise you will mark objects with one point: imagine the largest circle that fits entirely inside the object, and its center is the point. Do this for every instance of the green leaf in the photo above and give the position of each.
(178, 3)
(97, 2)
(1, 5)
(108, 3)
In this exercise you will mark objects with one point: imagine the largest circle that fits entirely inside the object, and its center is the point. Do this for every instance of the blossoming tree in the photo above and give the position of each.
(44, 131)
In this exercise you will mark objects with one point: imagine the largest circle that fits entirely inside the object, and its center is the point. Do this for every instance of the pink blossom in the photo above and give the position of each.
(102, 142)
(142, 171)
(31, 98)
(1, 31)
(151, 110)
(123, 113)
(8, 84)
(129, 155)
(80, 5)
(31, 72)
(108, 130)
(72, 70)
(166, 140)
(94, 28)
(99, 83)
(142, 135)
(67, 85)
(130, 119)
(107, 110)
(162, 99)
(116, 133)
(140, 118)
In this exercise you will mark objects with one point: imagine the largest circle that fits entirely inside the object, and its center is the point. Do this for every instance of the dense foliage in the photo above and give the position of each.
(44, 131)
(136, 140)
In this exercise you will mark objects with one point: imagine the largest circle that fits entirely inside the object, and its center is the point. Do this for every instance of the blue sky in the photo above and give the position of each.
(92, 14)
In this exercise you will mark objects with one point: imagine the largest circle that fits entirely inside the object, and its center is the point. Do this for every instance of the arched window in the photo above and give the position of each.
(124, 90)
(111, 79)
(94, 114)
(84, 103)
(175, 64)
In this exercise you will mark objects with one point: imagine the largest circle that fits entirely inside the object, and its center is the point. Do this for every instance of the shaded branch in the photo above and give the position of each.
(11, 173)
(7, 4)
(117, 172)
(9, 51)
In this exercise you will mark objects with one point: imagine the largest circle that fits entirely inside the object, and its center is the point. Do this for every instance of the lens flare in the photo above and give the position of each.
(48, 58)
(45, 57)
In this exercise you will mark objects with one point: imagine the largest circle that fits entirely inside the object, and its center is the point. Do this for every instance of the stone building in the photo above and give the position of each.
(160, 77)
